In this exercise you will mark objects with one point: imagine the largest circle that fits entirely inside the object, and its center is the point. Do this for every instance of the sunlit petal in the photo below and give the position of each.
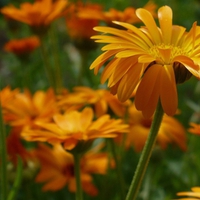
(165, 20)
(148, 20)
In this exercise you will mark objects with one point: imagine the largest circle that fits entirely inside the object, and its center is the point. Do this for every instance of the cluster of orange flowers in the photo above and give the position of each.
(74, 120)
(144, 64)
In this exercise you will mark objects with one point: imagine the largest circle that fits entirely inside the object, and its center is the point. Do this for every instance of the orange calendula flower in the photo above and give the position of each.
(25, 109)
(100, 99)
(193, 195)
(15, 147)
(57, 169)
(128, 15)
(22, 46)
(39, 14)
(7, 95)
(154, 57)
(73, 127)
(195, 128)
(81, 29)
(170, 132)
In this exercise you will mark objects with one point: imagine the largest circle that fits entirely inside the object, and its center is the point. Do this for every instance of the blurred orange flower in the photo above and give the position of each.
(128, 15)
(80, 29)
(170, 132)
(57, 169)
(22, 46)
(25, 109)
(193, 195)
(6, 96)
(73, 127)
(15, 147)
(77, 26)
(154, 57)
(100, 99)
(195, 128)
(39, 14)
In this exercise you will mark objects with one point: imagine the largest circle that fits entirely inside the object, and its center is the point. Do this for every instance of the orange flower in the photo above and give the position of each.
(193, 195)
(39, 14)
(100, 99)
(153, 57)
(57, 169)
(25, 109)
(22, 46)
(195, 128)
(170, 132)
(15, 147)
(128, 15)
(73, 127)
(6, 96)
(80, 29)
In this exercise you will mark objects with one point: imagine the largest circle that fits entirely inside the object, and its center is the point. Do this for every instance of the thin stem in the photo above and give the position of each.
(17, 183)
(146, 154)
(54, 48)
(48, 69)
(79, 193)
(118, 169)
(3, 157)
(83, 65)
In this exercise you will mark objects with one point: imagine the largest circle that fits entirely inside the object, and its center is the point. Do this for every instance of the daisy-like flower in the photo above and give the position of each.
(193, 195)
(38, 14)
(127, 15)
(22, 46)
(154, 57)
(57, 169)
(15, 147)
(7, 95)
(81, 29)
(25, 109)
(171, 131)
(73, 127)
(100, 99)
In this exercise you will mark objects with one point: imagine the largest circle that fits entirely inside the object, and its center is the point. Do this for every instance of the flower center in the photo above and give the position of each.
(165, 54)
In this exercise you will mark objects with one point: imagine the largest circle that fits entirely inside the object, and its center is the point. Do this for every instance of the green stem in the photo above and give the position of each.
(79, 193)
(54, 48)
(12, 194)
(83, 65)
(3, 157)
(118, 169)
(146, 154)
(47, 66)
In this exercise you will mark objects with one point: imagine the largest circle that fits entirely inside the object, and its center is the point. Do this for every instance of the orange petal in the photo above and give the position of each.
(165, 20)
(168, 91)
(189, 64)
(108, 70)
(145, 40)
(146, 87)
(99, 61)
(129, 81)
(148, 20)
(120, 70)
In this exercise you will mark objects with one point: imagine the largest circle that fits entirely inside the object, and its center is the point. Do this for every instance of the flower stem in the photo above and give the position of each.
(54, 48)
(79, 193)
(83, 65)
(3, 157)
(12, 194)
(146, 154)
(118, 169)
(48, 69)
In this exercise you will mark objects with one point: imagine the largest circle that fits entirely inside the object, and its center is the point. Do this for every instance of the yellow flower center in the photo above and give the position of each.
(165, 54)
